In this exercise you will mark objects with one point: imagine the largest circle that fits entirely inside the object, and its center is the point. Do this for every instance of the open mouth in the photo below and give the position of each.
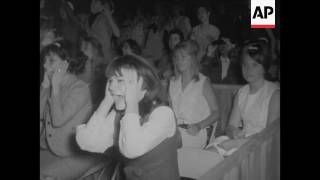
(117, 98)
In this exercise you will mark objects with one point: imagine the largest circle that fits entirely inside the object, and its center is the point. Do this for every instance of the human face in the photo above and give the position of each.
(182, 60)
(117, 87)
(95, 6)
(203, 15)
(47, 37)
(251, 70)
(126, 50)
(174, 40)
(87, 49)
(52, 63)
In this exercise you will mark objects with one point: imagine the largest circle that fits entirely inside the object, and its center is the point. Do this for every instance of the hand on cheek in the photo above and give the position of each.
(133, 93)
(58, 77)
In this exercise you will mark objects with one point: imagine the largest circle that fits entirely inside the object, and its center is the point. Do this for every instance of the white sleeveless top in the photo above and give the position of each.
(190, 106)
(254, 107)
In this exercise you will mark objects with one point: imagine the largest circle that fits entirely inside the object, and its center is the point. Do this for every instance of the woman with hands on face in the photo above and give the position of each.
(65, 102)
(132, 121)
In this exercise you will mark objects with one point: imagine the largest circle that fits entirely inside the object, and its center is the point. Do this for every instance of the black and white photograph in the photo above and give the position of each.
(159, 90)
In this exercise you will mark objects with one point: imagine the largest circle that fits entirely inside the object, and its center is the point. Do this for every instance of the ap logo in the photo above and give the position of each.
(263, 13)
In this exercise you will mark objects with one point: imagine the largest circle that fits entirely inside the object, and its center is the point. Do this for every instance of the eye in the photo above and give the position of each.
(120, 80)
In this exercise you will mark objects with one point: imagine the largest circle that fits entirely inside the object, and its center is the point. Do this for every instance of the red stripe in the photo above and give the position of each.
(263, 26)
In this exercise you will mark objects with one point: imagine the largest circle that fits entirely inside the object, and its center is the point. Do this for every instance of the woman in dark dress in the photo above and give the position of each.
(133, 123)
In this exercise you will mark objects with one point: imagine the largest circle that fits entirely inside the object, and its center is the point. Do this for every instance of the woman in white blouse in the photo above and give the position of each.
(191, 96)
(132, 120)
(195, 107)
(256, 104)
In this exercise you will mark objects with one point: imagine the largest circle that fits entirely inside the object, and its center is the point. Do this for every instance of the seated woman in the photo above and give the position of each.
(192, 96)
(195, 107)
(256, 104)
(48, 36)
(94, 69)
(64, 103)
(132, 123)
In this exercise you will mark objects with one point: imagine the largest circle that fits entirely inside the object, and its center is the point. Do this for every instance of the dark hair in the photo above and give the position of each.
(110, 3)
(151, 82)
(176, 31)
(134, 46)
(94, 42)
(217, 42)
(46, 24)
(76, 59)
(167, 35)
(259, 53)
(206, 6)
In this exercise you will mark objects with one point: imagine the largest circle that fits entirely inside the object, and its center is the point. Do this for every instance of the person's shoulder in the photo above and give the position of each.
(162, 111)
(244, 89)
(213, 27)
(80, 85)
(271, 86)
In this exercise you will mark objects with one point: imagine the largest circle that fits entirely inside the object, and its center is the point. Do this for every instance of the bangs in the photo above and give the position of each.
(114, 69)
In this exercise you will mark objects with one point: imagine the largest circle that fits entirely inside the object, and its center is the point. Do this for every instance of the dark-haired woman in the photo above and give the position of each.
(256, 104)
(64, 103)
(133, 121)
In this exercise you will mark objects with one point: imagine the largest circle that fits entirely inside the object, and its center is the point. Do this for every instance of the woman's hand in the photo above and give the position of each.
(133, 93)
(58, 77)
(107, 97)
(193, 129)
(238, 134)
(45, 82)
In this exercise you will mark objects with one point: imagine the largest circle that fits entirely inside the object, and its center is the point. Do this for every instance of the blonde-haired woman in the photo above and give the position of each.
(191, 96)
(195, 108)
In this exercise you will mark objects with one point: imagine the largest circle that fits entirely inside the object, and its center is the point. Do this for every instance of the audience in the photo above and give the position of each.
(124, 83)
